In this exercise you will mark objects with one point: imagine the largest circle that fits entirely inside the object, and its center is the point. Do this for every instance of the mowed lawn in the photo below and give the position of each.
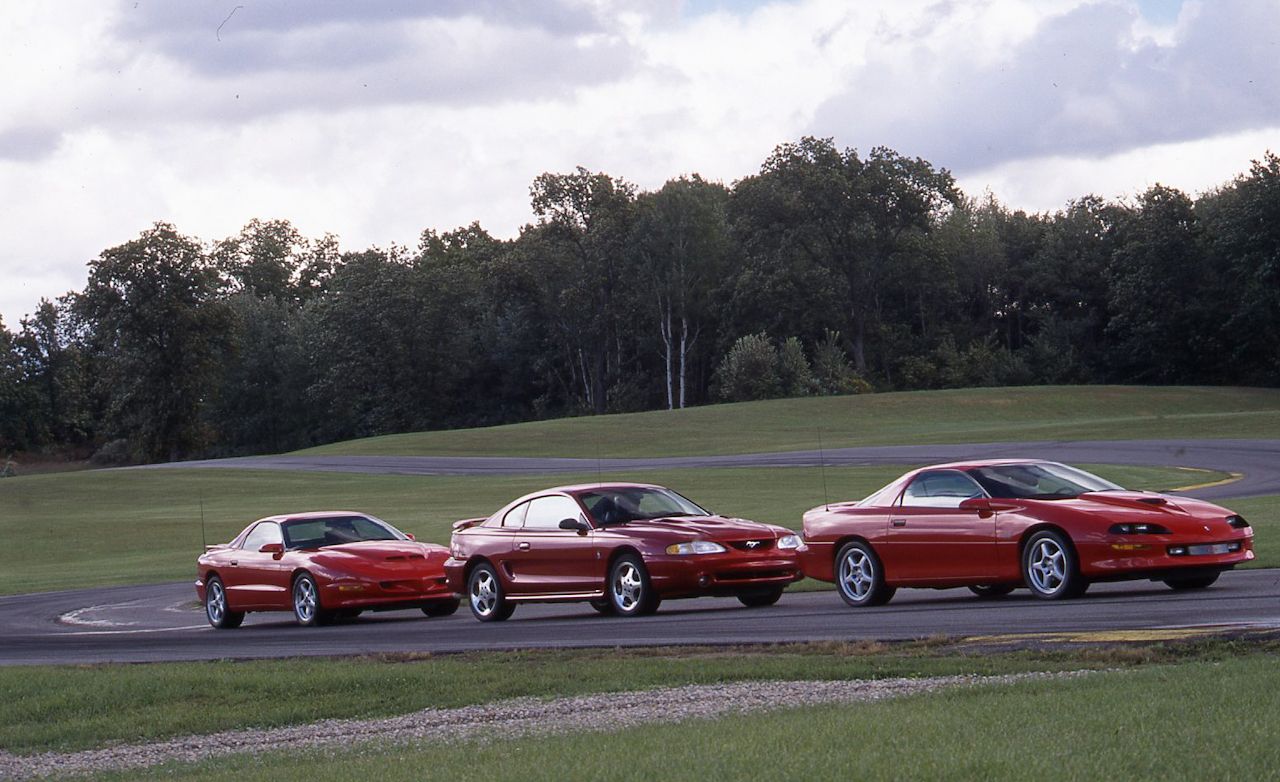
(1192, 721)
(99, 528)
(903, 418)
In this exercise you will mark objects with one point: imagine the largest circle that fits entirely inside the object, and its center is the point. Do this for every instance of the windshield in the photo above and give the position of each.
(1038, 481)
(610, 506)
(336, 530)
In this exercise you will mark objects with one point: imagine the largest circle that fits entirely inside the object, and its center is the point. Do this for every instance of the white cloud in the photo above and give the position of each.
(112, 119)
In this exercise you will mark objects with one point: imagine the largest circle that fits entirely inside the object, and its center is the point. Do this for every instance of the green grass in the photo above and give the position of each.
(959, 416)
(1191, 721)
(64, 708)
(100, 528)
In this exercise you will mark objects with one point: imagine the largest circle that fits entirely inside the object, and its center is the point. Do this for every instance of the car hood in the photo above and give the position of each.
(380, 554)
(1179, 514)
(701, 528)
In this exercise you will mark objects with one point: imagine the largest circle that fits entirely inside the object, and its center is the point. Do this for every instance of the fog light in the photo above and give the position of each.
(1177, 551)
(704, 580)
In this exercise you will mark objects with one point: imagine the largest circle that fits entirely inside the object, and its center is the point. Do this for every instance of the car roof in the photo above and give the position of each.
(972, 463)
(315, 514)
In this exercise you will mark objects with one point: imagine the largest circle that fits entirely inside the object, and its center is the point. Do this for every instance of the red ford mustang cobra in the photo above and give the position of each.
(996, 525)
(621, 546)
(321, 566)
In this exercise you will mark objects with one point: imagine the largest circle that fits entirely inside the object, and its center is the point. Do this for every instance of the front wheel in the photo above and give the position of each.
(1049, 567)
(604, 607)
(306, 602)
(215, 606)
(760, 599)
(859, 576)
(1191, 582)
(487, 598)
(631, 592)
(442, 607)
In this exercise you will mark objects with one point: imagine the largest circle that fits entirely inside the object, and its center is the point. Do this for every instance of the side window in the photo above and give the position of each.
(261, 535)
(548, 512)
(515, 516)
(941, 489)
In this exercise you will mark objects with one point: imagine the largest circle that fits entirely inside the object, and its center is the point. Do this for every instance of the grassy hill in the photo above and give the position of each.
(958, 416)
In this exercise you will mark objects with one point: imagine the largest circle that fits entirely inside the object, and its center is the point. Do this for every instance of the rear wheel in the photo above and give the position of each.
(859, 576)
(631, 592)
(1049, 567)
(215, 606)
(1192, 582)
(760, 599)
(306, 602)
(485, 594)
(442, 607)
(987, 591)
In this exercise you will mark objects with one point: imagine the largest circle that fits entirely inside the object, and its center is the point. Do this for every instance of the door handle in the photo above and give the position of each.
(235, 562)
(523, 546)
(899, 522)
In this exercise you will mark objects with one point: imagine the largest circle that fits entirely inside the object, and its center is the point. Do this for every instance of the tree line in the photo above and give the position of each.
(826, 272)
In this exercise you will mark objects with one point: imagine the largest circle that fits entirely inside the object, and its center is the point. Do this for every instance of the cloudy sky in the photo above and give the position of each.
(374, 120)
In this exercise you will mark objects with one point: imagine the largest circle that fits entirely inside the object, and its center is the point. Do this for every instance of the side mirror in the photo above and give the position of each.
(410, 536)
(272, 548)
(577, 525)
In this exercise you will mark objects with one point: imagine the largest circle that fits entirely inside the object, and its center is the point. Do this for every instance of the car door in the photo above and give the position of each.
(550, 560)
(931, 540)
(253, 579)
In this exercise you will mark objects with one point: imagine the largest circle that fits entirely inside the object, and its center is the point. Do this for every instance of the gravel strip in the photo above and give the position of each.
(512, 718)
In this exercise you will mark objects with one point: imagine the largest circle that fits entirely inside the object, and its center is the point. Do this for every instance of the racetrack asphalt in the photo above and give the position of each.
(1258, 461)
(162, 622)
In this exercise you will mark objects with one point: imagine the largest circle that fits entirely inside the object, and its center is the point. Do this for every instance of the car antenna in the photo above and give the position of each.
(599, 478)
(203, 541)
(822, 465)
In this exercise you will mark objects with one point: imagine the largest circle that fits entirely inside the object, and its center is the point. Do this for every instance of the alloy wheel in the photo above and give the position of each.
(628, 587)
(1047, 566)
(857, 574)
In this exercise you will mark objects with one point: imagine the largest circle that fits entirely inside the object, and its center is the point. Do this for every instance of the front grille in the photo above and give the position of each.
(753, 545)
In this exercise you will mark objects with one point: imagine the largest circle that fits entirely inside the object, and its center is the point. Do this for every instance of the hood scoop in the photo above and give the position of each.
(1138, 501)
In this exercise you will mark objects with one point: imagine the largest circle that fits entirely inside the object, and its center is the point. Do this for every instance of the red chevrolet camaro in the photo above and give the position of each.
(994, 526)
(321, 566)
(623, 547)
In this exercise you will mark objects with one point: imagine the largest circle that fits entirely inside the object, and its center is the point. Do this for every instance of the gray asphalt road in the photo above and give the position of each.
(161, 622)
(1257, 460)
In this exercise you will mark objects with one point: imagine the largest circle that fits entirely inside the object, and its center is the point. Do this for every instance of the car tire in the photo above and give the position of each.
(486, 596)
(989, 591)
(631, 591)
(215, 606)
(760, 599)
(440, 608)
(1192, 582)
(603, 606)
(860, 576)
(307, 608)
(1049, 567)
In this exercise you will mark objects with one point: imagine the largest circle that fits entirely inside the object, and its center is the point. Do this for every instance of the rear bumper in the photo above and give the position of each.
(455, 575)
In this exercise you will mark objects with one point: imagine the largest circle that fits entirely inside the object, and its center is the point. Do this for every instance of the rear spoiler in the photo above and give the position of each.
(467, 523)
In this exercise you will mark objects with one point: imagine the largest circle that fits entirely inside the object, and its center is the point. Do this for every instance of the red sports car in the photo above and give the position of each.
(321, 566)
(624, 547)
(994, 526)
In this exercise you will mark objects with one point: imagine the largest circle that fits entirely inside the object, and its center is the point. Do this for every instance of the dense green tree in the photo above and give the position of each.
(16, 404)
(158, 327)
(57, 373)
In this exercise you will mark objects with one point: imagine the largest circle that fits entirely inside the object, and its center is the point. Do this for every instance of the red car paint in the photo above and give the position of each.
(543, 564)
(350, 574)
(981, 542)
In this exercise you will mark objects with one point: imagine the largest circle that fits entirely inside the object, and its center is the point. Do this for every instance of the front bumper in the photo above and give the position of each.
(395, 592)
(728, 573)
(1118, 559)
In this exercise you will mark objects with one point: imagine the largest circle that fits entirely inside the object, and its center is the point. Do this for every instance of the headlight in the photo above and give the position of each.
(1138, 529)
(789, 541)
(695, 547)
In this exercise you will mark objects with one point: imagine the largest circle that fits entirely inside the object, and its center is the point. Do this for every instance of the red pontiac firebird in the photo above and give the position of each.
(322, 566)
(994, 526)
(623, 547)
